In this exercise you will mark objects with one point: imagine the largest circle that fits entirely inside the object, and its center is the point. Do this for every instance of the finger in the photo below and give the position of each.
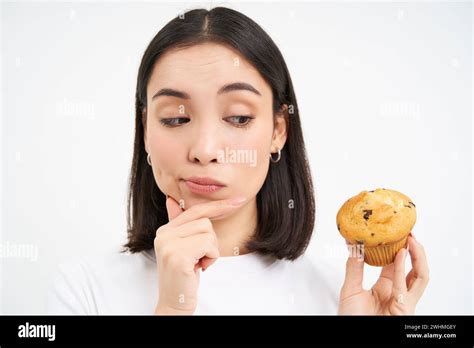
(387, 271)
(386, 275)
(354, 274)
(420, 268)
(399, 288)
(199, 246)
(203, 225)
(173, 208)
(210, 210)
(410, 279)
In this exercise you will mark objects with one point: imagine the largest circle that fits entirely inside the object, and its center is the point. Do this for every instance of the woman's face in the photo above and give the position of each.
(209, 114)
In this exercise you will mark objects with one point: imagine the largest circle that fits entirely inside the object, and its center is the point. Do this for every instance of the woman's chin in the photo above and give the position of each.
(191, 201)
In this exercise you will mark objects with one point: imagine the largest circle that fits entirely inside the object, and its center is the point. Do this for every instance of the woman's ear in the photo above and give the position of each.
(280, 129)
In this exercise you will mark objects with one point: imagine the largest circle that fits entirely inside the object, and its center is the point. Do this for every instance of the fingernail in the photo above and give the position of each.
(237, 201)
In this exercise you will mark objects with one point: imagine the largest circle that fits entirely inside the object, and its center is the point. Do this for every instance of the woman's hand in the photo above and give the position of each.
(392, 294)
(183, 246)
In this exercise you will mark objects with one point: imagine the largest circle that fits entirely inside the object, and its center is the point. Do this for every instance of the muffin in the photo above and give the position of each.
(380, 221)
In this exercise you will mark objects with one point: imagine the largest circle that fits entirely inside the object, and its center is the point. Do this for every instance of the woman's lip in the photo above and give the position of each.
(204, 181)
(205, 189)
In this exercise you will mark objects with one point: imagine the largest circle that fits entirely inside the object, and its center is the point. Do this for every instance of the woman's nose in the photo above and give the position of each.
(205, 144)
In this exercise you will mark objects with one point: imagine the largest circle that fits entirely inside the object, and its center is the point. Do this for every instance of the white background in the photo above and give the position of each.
(384, 90)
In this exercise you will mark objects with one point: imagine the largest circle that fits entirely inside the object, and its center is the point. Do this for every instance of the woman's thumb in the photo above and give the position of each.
(354, 274)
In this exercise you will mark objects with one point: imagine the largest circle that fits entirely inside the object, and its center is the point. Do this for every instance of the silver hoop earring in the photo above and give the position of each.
(148, 159)
(277, 159)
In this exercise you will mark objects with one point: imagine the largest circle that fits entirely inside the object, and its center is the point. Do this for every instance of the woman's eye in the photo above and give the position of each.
(173, 122)
(240, 120)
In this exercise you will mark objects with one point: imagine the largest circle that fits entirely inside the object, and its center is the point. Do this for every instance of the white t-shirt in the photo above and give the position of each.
(124, 283)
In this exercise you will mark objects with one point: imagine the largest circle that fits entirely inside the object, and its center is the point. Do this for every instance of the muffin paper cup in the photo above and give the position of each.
(384, 254)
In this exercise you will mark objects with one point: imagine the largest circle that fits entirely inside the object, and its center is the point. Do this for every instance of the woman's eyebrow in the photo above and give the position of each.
(238, 86)
(235, 86)
(171, 93)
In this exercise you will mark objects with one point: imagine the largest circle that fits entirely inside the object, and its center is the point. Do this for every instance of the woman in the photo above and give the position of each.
(221, 204)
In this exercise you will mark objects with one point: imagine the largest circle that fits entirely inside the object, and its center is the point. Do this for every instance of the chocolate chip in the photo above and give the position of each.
(394, 212)
(379, 244)
(367, 212)
(372, 191)
(338, 228)
(408, 206)
(412, 204)
(372, 234)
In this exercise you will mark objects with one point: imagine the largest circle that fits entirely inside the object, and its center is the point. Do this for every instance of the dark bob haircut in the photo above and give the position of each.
(285, 203)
